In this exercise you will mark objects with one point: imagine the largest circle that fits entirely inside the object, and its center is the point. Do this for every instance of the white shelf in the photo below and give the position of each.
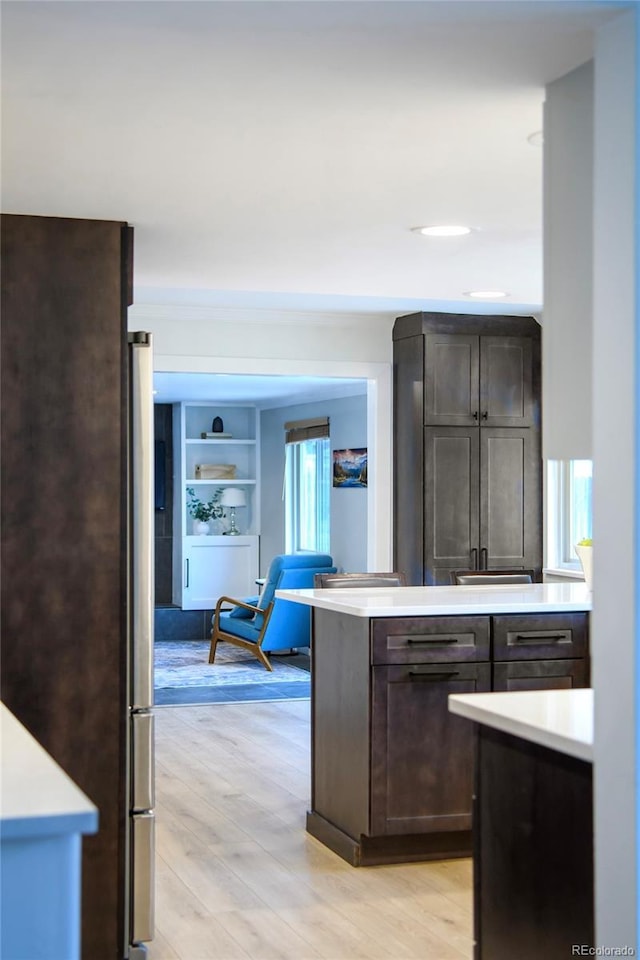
(219, 481)
(206, 540)
(220, 442)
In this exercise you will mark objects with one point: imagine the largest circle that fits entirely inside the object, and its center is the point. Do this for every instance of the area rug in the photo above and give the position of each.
(184, 675)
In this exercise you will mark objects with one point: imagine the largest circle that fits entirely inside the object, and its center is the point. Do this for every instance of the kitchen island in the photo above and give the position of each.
(43, 815)
(532, 822)
(392, 768)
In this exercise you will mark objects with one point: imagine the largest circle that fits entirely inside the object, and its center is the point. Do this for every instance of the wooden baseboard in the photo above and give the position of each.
(374, 851)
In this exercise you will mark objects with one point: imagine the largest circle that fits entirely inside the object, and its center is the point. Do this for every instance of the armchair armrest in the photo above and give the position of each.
(241, 612)
(261, 616)
(242, 604)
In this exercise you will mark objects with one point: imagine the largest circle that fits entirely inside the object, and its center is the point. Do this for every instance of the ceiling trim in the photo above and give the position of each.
(205, 314)
(288, 367)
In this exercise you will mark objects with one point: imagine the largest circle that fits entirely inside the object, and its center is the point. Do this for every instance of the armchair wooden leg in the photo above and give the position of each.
(263, 658)
(214, 644)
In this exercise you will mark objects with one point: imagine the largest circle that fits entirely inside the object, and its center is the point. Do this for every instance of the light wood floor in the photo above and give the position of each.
(237, 876)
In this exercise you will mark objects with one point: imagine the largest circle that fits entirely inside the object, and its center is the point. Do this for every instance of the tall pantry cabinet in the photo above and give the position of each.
(467, 454)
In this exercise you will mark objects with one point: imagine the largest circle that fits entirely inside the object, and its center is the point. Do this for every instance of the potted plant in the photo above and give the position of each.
(202, 511)
(584, 549)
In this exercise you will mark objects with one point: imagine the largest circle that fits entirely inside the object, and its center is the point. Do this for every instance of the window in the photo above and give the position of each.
(569, 510)
(307, 487)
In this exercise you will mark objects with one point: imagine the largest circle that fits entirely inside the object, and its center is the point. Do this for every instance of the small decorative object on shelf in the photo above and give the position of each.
(584, 549)
(232, 498)
(217, 425)
(203, 512)
(215, 471)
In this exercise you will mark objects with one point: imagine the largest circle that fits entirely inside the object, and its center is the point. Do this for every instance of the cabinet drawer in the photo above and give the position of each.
(540, 675)
(430, 639)
(543, 637)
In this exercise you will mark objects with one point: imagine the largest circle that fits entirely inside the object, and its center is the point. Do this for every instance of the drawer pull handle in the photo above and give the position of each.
(541, 636)
(415, 675)
(432, 640)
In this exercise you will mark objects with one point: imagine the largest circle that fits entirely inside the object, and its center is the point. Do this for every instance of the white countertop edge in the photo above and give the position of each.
(559, 719)
(37, 797)
(569, 597)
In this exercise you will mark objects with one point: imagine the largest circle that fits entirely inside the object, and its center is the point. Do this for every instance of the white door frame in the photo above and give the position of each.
(379, 424)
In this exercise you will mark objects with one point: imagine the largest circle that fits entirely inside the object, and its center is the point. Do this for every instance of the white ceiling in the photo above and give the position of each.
(278, 154)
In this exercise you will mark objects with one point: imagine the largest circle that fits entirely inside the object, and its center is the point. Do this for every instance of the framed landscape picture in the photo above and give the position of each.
(350, 468)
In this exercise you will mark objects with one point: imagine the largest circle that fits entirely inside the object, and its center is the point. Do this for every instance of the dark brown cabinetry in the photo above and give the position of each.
(479, 379)
(540, 675)
(409, 796)
(392, 767)
(533, 851)
(549, 652)
(416, 664)
(467, 481)
(65, 286)
(478, 484)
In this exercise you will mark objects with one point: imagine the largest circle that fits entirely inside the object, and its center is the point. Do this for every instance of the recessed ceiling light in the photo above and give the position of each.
(443, 230)
(486, 294)
(536, 139)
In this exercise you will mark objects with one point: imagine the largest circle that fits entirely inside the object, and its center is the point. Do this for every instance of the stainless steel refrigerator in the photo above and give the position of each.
(77, 546)
(141, 827)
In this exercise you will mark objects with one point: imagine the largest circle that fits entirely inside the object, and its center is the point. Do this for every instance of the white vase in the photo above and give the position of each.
(200, 528)
(585, 556)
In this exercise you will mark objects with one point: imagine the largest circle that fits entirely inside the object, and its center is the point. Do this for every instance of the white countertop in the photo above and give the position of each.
(559, 719)
(36, 796)
(446, 601)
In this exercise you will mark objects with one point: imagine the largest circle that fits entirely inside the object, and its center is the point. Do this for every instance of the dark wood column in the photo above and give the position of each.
(64, 563)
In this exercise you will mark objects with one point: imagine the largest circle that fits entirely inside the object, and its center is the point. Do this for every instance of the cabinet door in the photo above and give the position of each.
(451, 501)
(451, 383)
(506, 381)
(510, 498)
(218, 566)
(540, 675)
(421, 754)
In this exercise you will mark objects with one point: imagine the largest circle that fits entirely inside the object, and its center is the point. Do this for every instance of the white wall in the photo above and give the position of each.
(590, 350)
(349, 507)
(615, 437)
(263, 335)
(210, 340)
(568, 255)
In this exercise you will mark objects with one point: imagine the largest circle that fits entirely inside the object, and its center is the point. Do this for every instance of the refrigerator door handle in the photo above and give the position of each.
(142, 466)
(143, 879)
(143, 775)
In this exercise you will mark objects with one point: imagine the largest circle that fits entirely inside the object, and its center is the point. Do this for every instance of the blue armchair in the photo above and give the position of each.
(262, 624)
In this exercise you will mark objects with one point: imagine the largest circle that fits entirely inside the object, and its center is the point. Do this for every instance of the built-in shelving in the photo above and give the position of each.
(208, 566)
